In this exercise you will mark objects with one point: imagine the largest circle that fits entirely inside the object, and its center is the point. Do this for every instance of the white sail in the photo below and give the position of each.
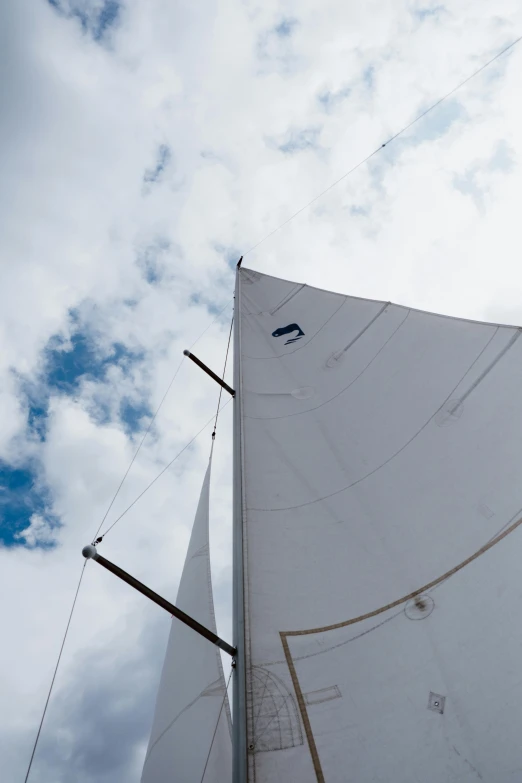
(190, 740)
(381, 452)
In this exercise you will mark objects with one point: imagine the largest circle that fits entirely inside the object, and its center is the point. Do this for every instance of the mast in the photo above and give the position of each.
(239, 734)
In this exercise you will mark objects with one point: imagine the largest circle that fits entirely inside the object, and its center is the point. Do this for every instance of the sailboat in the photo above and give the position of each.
(376, 564)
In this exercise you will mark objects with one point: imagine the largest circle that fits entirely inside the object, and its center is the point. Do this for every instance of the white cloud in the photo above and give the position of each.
(39, 533)
(431, 221)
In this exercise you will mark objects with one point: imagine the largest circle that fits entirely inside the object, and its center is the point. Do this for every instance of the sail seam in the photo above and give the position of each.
(225, 699)
(284, 635)
(173, 721)
(490, 366)
(392, 456)
(326, 402)
(287, 298)
(302, 709)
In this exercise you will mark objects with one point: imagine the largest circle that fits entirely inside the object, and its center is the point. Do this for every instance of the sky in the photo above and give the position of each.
(145, 145)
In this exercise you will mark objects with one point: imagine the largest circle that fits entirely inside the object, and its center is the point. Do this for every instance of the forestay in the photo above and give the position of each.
(192, 714)
(381, 458)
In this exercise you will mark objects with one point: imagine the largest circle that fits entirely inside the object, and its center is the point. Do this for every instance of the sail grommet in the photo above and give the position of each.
(436, 702)
(251, 746)
(419, 607)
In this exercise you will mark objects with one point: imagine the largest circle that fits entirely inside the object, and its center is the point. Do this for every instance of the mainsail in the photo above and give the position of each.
(381, 490)
(190, 740)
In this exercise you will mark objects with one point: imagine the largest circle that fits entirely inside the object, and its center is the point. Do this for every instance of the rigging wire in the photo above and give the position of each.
(223, 376)
(83, 571)
(51, 687)
(97, 540)
(386, 143)
(217, 724)
(55, 673)
(164, 470)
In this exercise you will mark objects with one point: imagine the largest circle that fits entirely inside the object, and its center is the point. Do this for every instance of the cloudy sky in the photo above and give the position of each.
(146, 144)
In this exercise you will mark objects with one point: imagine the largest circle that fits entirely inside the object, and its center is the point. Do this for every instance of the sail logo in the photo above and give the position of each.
(289, 330)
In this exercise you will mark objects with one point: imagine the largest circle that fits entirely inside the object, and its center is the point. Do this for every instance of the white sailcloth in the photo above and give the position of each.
(382, 456)
(192, 714)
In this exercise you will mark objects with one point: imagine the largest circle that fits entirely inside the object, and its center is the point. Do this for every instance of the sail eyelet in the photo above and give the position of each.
(419, 607)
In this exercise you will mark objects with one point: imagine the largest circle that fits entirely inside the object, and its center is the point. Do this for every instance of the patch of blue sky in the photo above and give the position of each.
(107, 17)
(274, 46)
(429, 12)
(151, 260)
(67, 363)
(230, 254)
(467, 185)
(299, 140)
(208, 154)
(95, 18)
(475, 180)
(369, 77)
(163, 158)
(213, 308)
(359, 211)
(503, 159)
(329, 100)
(433, 126)
(22, 495)
(132, 413)
(286, 27)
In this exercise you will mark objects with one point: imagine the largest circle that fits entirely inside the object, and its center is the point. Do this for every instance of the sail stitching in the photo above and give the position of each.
(277, 693)
(430, 585)
(302, 709)
(392, 456)
(203, 693)
(282, 661)
(286, 700)
(290, 662)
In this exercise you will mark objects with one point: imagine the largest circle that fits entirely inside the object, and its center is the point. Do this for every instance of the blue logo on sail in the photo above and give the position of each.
(289, 330)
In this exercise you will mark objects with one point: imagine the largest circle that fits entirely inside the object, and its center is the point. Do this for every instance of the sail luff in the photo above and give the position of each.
(239, 730)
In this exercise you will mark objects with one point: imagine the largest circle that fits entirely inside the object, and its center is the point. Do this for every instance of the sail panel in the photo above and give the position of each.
(192, 716)
(381, 451)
